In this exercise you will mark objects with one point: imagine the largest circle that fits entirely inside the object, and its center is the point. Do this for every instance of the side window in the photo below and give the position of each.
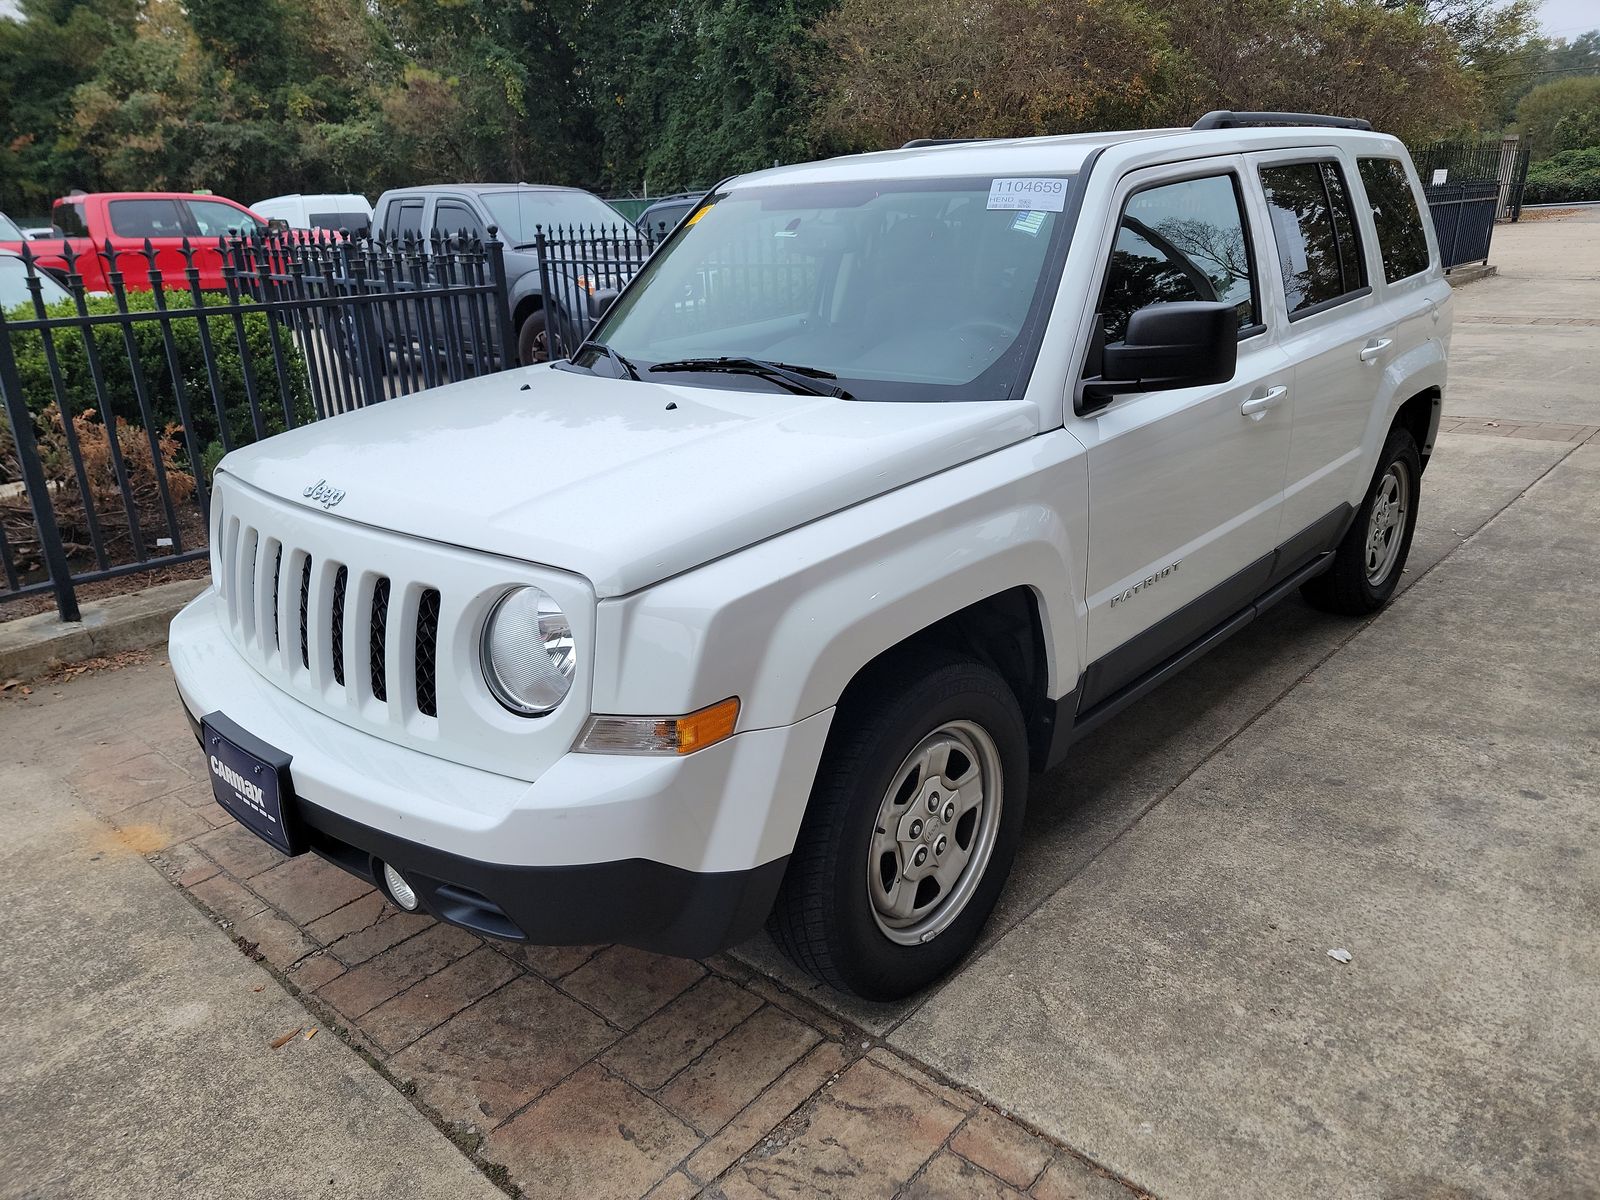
(451, 217)
(1401, 240)
(70, 220)
(1180, 241)
(354, 223)
(146, 219)
(404, 219)
(1313, 223)
(219, 220)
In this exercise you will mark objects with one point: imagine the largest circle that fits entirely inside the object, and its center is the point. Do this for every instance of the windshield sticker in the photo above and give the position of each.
(1029, 222)
(698, 213)
(1047, 195)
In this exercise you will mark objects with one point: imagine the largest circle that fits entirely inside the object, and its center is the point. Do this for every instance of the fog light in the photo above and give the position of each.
(399, 890)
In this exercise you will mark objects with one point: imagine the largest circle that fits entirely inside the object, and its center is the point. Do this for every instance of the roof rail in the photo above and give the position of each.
(1223, 119)
(915, 142)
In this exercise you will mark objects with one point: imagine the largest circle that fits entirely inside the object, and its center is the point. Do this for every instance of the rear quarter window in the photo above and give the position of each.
(1314, 226)
(146, 219)
(1402, 242)
(352, 222)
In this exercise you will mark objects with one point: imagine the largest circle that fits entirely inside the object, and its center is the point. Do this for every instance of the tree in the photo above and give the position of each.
(1011, 67)
(692, 91)
(899, 69)
(1563, 114)
(52, 47)
(1349, 57)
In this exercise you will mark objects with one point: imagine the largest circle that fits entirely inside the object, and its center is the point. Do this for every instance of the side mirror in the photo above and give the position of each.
(600, 300)
(1182, 344)
(277, 225)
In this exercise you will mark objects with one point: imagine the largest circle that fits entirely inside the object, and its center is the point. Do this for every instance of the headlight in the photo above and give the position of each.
(528, 653)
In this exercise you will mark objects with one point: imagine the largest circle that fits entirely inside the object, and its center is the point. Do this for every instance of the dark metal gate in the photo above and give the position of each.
(1463, 218)
(114, 409)
(1469, 186)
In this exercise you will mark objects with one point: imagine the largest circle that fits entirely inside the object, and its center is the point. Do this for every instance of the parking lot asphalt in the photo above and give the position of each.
(1154, 1001)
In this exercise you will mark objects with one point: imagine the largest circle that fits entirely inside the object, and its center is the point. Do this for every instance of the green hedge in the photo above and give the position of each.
(1570, 176)
(150, 347)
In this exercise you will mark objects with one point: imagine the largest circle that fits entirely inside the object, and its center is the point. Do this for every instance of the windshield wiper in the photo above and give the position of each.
(797, 379)
(628, 368)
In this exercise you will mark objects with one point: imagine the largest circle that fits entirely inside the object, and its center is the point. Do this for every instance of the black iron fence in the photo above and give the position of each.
(116, 406)
(1501, 161)
(580, 269)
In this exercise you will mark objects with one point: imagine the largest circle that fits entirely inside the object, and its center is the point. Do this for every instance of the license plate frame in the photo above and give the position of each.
(250, 780)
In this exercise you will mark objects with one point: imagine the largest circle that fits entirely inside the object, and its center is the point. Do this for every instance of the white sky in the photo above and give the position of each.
(1568, 18)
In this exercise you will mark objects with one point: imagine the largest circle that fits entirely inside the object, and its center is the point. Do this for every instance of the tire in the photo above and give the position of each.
(532, 344)
(831, 914)
(1365, 573)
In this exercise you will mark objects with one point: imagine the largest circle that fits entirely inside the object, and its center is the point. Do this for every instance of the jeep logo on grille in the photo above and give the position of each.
(320, 493)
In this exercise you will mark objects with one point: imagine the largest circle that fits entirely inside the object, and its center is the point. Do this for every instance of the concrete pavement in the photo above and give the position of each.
(1425, 799)
(136, 1053)
(1527, 340)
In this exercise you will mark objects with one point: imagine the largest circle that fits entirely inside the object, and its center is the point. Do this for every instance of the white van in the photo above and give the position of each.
(348, 212)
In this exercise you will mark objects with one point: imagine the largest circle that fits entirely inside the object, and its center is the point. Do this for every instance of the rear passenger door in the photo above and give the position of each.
(1417, 296)
(159, 219)
(1339, 336)
(1185, 484)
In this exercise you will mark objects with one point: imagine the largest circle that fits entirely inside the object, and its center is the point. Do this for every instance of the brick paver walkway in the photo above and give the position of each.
(593, 1071)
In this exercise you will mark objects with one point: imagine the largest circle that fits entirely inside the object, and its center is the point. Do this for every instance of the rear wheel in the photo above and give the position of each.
(913, 823)
(1370, 560)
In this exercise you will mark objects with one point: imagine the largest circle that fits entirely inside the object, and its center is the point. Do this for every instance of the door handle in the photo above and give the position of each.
(1372, 349)
(1257, 405)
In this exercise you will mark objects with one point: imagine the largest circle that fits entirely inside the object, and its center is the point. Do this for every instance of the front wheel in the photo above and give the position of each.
(533, 340)
(913, 823)
(1370, 560)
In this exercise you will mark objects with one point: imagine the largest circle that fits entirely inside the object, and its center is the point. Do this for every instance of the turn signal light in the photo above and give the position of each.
(661, 735)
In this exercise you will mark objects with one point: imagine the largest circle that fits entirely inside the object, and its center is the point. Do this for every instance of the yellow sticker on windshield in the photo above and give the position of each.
(698, 213)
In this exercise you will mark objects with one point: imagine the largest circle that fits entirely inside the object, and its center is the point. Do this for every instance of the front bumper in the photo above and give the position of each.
(679, 855)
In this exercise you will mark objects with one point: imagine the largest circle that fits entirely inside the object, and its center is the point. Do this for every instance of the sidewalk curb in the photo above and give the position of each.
(1461, 276)
(31, 646)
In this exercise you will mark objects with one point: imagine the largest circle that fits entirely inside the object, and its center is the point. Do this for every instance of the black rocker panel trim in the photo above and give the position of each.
(1144, 652)
(1145, 661)
(1321, 535)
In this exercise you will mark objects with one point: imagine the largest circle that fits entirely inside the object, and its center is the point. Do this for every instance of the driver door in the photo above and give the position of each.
(1186, 486)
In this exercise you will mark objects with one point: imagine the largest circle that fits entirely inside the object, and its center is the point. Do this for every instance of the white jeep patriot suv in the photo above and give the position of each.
(887, 479)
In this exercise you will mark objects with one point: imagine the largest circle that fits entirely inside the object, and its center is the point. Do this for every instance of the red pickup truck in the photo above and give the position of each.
(126, 219)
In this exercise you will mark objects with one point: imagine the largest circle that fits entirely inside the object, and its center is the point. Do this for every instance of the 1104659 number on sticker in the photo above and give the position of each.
(1041, 194)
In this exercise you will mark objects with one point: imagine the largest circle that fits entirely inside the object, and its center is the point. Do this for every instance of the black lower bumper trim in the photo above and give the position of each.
(635, 901)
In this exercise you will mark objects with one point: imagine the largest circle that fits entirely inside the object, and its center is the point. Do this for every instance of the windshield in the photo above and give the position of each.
(14, 286)
(519, 213)
(903, 289)
(9, 231)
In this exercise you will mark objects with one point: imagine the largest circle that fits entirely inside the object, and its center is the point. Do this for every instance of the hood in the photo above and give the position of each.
(600, 477)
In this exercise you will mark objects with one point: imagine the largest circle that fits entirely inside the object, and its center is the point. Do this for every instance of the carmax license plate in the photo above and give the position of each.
(250, 779)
